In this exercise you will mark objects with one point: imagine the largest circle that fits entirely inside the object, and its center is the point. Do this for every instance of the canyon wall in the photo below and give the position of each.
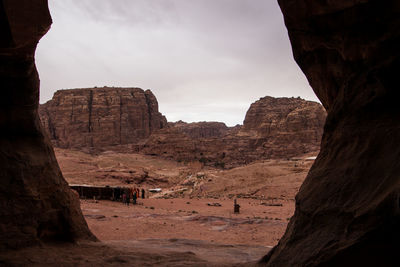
(112, 118)
(273, 128)
(36, 203)
(291, 126)
(348, 209)
(101, 117)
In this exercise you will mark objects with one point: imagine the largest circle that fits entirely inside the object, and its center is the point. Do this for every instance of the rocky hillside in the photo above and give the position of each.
(273, 128)
(112, 118)
(284, 126)
(101, 117)
(203, 129)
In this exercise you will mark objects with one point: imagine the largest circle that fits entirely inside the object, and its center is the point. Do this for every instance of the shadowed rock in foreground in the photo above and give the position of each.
(35, 201)
(347, 210)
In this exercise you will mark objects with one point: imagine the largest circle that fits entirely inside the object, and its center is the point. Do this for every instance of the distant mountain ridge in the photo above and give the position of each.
(273, 128)
(128, 119)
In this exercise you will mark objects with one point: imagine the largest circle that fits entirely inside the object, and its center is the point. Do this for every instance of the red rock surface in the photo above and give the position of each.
(204, 129)
(273, 117)
(111, 118)
(273, 128)
(100, 117)
(36, 203)
(347, 210)
(287, 126)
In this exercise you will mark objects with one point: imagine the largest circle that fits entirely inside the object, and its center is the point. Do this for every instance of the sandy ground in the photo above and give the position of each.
(273, 179)
(190, 223)
(195, 203)
(256, 224)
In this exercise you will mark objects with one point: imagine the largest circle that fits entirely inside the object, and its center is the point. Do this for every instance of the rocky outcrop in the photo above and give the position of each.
(101, 117)
(36, 203)
(347, 210)
(273, 128)
(185, 141)
(285, 126)
(111, 118)
(204, 129)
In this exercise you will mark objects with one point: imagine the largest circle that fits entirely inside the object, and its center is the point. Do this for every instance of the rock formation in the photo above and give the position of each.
(109, 118)
(204, 129)
(285, 126)
(273, 128)
(36, 203)
(101, 117)
(348, 209)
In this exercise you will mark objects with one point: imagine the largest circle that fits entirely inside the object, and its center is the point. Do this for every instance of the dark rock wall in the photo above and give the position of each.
(101, 117)
(347, 210)
(35, 201)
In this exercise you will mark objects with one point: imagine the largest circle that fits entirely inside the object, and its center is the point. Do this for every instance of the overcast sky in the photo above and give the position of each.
(205, 60)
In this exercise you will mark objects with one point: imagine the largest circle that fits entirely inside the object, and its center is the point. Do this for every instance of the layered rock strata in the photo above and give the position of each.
(36, 203)
(273, 128)
(204, 129)
(284, 126)
(347, 210)
(101, 117)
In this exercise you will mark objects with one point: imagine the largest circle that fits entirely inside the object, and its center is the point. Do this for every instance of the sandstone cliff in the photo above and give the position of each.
(202, 129)
(273, 128)
(347, 210)
(36, 203)
(284, 126)
(101, 117)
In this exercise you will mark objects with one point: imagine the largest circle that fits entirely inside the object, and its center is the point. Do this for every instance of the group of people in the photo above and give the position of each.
(132, 193)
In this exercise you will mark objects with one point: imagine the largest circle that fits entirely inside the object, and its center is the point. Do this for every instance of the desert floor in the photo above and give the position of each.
(190, 223)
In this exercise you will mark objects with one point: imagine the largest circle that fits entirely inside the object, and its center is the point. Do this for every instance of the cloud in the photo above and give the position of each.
(203, 59)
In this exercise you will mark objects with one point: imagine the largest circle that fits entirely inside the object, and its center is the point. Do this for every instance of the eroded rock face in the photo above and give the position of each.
(273, 128)
(347, 210)
(101, 117)
(204, 129)
(35, 201)
(285, 125)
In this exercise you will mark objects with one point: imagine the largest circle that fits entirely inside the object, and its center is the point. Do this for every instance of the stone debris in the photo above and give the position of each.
(215, 204)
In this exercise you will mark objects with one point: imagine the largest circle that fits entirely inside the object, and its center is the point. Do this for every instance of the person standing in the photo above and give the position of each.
(143, 193)
(128, 197)
(134, 198)
(124, 198)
